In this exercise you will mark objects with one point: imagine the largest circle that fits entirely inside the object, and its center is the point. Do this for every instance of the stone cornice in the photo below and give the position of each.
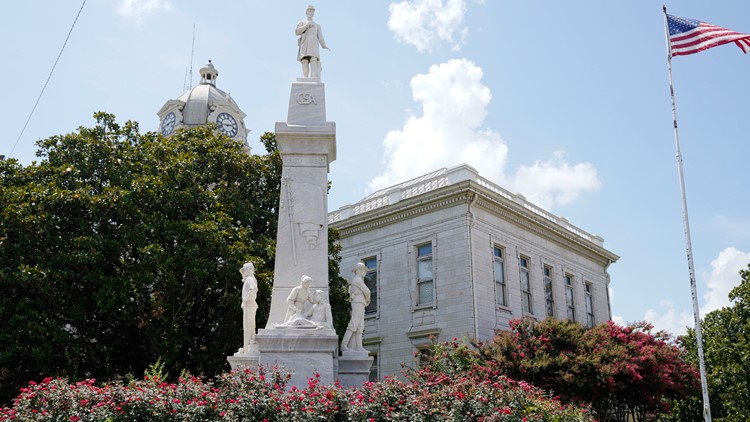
(548, 230)
(408, 208)
(539, 225)
(464, 192)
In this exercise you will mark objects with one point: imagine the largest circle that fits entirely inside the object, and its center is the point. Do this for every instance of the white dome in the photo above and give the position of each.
(204, 103)
(201, 101)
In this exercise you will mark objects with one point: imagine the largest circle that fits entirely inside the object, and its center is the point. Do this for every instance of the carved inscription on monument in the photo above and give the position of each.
(305, 160)
(305, 98)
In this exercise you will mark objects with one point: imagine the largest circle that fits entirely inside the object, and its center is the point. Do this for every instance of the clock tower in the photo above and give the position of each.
(204, 103)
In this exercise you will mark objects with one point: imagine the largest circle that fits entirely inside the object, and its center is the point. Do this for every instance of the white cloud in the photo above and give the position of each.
(724, 277)
(449, 132)
(138, 10)
(555, 182)
(454, 105)
(619, 320)
(669, 319)
(426, 23)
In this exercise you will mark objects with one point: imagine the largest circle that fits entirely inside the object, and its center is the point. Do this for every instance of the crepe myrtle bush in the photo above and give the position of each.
(264, 395)
(620, 371)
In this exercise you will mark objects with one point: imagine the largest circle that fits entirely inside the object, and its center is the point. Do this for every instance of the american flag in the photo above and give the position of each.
(690, 36)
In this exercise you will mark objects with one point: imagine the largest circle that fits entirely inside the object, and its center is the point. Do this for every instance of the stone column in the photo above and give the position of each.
(307, 144)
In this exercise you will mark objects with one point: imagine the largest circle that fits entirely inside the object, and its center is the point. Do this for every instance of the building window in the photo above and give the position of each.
(548, 298)
(501, 295)
(374, 368)
(425, 291)
(371, 281)
(569, 297)
(525, 285)
(589, 306)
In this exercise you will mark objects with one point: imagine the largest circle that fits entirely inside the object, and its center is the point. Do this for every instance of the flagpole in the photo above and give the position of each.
(688, 244)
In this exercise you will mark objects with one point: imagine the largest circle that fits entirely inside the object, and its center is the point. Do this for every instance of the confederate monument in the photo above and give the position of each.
(307, 144)
(299, 334)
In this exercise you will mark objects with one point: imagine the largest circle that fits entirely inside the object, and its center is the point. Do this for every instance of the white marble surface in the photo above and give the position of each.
(307, 103)
(309, 39)
(296, 253)
(246, 358)
(307, 144)
(307, 148)
(359, 297)
(354, 368)
(304, 352)
(249, 305)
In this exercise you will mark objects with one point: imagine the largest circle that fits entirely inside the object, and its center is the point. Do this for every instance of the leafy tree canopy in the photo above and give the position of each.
(726, 338)
(119, 248)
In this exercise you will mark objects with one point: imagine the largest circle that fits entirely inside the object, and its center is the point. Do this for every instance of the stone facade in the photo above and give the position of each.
(449, 255)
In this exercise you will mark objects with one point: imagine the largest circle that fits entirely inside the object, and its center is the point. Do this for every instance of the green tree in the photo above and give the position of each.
(726, 338)
(119, 248)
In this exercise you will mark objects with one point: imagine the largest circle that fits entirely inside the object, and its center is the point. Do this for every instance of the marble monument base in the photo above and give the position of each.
(354, 368)
(303, 352)
(245, 358)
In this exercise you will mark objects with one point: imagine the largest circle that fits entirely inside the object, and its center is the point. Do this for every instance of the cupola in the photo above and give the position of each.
(209, 74)
(203, 104)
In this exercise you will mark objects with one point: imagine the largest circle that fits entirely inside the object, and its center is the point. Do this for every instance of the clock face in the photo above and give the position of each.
(227, 124)
(167, 125)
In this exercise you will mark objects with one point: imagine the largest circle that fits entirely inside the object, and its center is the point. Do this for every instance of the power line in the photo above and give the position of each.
(47, 81)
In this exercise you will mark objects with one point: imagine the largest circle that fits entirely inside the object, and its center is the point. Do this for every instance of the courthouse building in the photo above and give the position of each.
(451, 254)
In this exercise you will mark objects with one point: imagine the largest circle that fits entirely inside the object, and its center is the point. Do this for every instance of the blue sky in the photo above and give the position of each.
(565, 102)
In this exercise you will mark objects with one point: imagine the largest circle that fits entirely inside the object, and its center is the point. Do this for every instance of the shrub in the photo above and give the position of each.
(262, 396)
(620, 371)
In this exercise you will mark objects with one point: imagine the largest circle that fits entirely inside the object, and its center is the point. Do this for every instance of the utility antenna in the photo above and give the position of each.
(189, 73)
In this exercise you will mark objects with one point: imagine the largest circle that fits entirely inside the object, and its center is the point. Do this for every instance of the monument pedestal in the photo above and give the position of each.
(354, 368)
(303, 352)
(245, 359)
